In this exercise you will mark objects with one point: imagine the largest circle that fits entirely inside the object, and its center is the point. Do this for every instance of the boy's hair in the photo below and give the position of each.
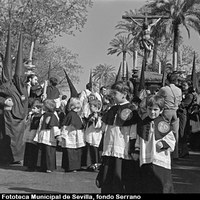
(120, 86)
(136, 99)
(158, 100)
(53, 81)
(64, 97)
(50, 104)
(30, 76)
(89, 86)
(74, 102)
(37, 103)
(96, 103)
(172, 77)
(102, 88)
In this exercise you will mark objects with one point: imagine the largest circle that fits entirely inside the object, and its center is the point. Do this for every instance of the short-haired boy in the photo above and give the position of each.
(155, 143)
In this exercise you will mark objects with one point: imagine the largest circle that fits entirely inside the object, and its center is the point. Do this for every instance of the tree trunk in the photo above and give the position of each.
(124, 66)
(175, 46)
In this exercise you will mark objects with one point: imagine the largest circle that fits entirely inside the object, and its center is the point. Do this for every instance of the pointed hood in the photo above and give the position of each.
(194, 74)
(7, 64)
(90, 79)
(119, 74)
(19, 69)
(127, 74)
(73, 90)
(142, 78)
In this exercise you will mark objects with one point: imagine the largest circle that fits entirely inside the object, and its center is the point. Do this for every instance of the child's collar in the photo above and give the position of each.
(123, 103)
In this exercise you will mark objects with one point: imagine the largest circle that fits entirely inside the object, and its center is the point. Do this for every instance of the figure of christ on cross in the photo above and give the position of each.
(146, 42)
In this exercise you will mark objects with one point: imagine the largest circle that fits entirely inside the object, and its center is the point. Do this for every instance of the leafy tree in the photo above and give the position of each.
(52, 62)
(163, 52)
(104, 74)
(127, 26)
(41, 20)
(186, 59)
(131, 27)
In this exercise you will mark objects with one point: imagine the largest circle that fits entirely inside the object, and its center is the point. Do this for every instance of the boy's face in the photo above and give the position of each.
(34, 81)
(154, 111)
(118, 96)
(76, 108)
(36, 109)
(94, 108)
(103, 91)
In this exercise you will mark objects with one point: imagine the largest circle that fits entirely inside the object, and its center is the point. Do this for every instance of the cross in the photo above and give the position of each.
(145, 42)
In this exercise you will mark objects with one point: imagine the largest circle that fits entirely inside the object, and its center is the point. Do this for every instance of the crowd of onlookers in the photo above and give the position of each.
(129, 140)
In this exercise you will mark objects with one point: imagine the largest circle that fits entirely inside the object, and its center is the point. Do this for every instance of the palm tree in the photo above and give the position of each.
(104, 74)
(121, 45)
(129, 27)
(181, 12)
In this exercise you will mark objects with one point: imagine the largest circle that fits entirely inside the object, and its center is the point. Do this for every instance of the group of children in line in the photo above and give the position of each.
(136, 152)
(78, 137)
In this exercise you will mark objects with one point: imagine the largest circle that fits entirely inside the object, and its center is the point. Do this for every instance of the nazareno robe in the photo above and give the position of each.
(14, 119)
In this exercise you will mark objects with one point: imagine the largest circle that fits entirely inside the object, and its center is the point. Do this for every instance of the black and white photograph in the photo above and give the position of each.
(99, 99)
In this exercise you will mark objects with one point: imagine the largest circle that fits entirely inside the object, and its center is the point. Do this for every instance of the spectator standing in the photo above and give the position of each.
(84, 100)
(172, 96)
(104, 99)
(90, 92)
(183, 115)
(194, 139)
(52, 91)
(33, 88)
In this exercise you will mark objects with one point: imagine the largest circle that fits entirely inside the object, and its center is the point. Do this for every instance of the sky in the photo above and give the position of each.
(92, 42)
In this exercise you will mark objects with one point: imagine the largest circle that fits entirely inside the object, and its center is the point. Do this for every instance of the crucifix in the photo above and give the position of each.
(145, 42)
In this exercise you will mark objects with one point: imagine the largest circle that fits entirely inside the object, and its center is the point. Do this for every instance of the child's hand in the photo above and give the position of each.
(9, 102)
(63, 128)
(95, 115)
(159, 145)
(29, 115)
(59, 138)
(135, 156)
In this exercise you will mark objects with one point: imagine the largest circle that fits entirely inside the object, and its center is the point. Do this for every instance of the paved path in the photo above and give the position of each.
(186, 174)
(14, 179)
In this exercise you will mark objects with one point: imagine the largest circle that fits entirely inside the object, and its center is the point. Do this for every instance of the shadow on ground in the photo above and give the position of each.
(186, 174)
(29, 190)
